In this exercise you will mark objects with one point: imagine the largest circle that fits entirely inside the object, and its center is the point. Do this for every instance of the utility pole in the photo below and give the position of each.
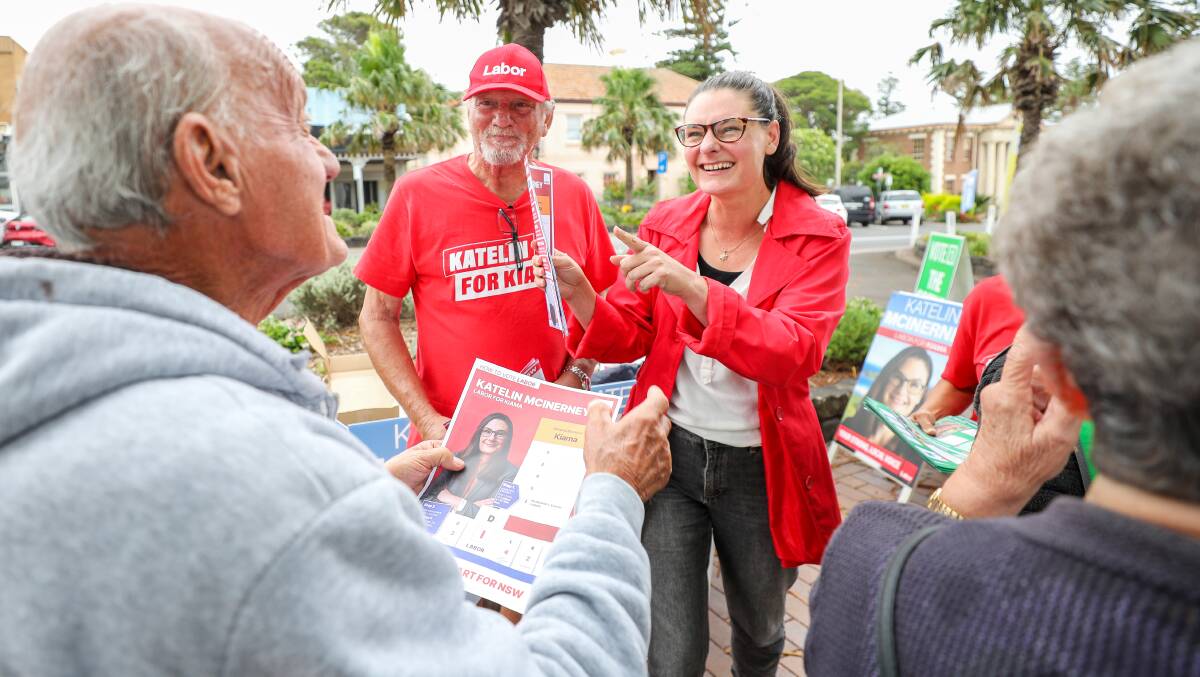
(837, 160)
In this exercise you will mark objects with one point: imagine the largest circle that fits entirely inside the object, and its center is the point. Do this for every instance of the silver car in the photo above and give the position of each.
(898, 204)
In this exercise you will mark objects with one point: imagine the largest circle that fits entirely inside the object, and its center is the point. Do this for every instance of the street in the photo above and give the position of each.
(876, 238)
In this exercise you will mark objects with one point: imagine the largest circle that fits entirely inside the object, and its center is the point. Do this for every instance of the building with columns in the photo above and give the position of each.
(988, 144)
(12, 61)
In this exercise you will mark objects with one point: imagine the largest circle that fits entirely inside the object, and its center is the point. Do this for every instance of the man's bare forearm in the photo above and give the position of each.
(379, 324)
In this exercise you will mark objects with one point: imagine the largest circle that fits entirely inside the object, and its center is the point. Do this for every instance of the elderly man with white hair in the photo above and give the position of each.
(175, 496)
(1101, 247)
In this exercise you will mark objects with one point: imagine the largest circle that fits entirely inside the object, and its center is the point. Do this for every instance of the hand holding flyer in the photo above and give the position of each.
(522, 443)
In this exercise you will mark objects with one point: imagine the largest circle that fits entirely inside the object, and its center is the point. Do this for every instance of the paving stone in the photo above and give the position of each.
(716, 603)
(793, 665)
(719, 631)
(719, 663)
(808, 573)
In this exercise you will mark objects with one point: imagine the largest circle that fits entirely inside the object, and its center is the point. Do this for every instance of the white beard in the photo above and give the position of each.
(500, 157)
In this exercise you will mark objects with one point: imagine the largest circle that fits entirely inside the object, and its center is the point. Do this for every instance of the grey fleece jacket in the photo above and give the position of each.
(175, 498)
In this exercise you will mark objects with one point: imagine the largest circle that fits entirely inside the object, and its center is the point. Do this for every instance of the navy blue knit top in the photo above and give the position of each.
(1074, 590)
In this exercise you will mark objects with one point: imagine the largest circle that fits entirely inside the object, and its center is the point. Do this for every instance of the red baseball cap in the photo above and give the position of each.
(510, 67)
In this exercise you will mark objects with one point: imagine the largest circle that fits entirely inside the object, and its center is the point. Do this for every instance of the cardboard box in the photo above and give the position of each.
(360, 392)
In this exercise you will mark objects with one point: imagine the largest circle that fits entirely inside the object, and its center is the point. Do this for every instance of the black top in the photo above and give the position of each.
(725, 277)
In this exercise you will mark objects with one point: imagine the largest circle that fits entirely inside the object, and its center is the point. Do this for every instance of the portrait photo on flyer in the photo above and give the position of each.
(521, 439)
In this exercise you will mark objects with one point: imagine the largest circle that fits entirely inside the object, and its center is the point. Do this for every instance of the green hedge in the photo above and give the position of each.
(852, 338)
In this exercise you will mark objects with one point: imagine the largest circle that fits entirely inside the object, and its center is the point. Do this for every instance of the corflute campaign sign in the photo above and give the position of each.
(905, 360)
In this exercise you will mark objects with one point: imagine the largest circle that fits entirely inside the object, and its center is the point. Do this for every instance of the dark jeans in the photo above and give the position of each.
(717, 493)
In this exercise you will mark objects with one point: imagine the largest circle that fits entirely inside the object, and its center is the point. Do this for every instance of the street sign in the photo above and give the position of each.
(662, 162)
(946, 270)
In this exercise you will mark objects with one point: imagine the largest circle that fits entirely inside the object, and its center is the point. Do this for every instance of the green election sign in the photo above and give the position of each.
(946, 271)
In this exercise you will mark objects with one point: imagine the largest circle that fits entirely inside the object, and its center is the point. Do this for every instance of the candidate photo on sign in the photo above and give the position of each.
(902, 385)
(487, 468)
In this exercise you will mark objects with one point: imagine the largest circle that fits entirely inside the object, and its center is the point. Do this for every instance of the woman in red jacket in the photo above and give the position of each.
(731, 293)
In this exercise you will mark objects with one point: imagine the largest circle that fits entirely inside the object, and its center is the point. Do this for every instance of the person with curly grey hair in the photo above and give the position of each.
(1100, 247)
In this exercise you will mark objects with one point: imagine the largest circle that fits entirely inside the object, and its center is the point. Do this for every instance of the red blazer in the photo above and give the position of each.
(776, 336)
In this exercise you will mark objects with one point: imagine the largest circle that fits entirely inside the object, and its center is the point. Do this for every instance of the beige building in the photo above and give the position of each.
(988, 142)
(12, 60)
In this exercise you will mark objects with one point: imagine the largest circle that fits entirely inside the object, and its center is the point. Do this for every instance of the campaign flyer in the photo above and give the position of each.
(946, 450)
(522, 441)
(541, 201)
(905, 360)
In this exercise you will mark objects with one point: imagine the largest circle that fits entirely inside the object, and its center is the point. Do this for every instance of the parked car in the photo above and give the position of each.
(899, 204)
(859, 203)
(832, 203)
(23, 232)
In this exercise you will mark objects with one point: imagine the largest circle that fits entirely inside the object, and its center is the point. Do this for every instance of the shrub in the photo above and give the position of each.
(625, 217)
(284, 333)
(686, 184)
(645, 193)
(850, 341)
(937, 204)
(978, 244)
(907, 173)
(332, 299)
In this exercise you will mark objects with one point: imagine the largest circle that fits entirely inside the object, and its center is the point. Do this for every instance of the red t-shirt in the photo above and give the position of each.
(989, 322)
(441, 237)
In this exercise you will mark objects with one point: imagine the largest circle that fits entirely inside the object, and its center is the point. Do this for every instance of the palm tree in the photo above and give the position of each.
(633, 121)
(525, 21)
(963, 81)
(409, 112)
(1040, 29)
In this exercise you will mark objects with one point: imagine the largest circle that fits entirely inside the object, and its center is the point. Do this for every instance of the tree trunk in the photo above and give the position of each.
(1033, 91)
(629, 178)
(525, 22)
(388, 148)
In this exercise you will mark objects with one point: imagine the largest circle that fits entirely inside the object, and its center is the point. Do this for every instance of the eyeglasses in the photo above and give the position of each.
(915, 387)
(498, 435)
(728, 130)
(517, 109)
(507, 226)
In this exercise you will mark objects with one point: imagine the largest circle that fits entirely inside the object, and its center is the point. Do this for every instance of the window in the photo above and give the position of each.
(918, 151)
(610, 178)
(949, 184)
(370, 193)
(967, 150)
(574, 127)
(949, 149)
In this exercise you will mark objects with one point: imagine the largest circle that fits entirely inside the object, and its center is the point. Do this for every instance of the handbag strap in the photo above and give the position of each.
(886, 611)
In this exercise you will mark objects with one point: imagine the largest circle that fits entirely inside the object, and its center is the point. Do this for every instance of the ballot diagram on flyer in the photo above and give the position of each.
(945, 450)
(522, 441)
(541, 201)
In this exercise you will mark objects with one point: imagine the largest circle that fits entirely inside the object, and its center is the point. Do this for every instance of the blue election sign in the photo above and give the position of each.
(384, 438)
(619, 388)
(662, 162)
(968, 191)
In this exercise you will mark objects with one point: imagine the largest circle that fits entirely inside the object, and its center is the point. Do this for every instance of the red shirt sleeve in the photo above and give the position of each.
(960, 365)
(387, 264)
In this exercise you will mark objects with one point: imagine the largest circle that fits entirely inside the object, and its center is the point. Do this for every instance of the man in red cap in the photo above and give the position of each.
(459, 235)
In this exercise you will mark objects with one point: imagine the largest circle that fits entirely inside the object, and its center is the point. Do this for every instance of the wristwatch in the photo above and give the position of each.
(935, 504)
(585, 381)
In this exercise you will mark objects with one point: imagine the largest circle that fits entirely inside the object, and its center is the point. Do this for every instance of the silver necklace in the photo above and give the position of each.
(725, 252)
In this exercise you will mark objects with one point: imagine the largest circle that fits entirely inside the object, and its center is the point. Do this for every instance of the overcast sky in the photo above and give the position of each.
(858, 40)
